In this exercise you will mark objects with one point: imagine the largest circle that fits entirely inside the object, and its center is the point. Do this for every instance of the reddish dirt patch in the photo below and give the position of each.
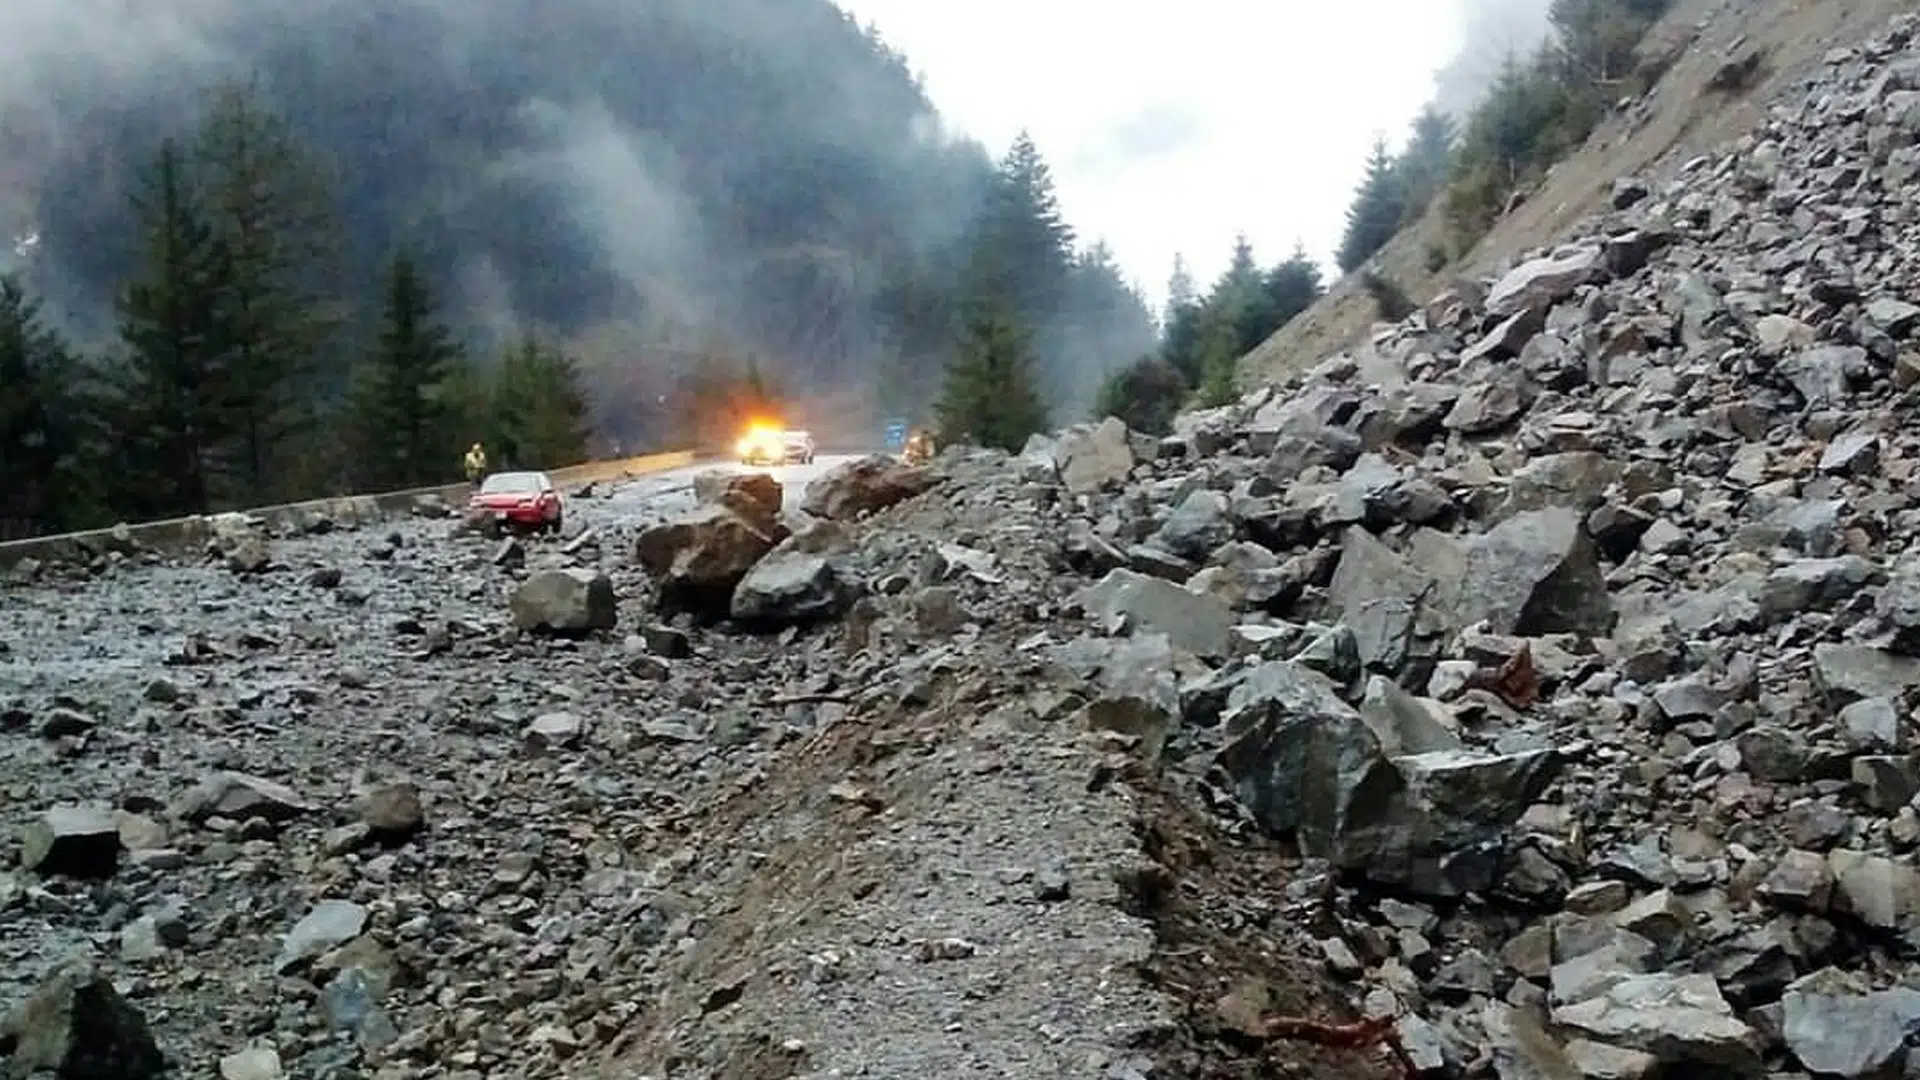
(1231, 953)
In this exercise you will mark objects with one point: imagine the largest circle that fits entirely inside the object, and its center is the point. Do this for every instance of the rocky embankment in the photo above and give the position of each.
(1539, 678)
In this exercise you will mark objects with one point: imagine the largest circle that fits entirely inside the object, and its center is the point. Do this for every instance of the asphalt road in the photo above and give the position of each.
(659, 495)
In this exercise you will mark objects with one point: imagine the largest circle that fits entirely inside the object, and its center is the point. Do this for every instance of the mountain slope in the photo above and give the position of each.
(1653, 136)
(652, 181)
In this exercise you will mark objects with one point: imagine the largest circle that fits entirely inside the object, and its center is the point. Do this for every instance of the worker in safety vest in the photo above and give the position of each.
(919, 447)
(476, 464)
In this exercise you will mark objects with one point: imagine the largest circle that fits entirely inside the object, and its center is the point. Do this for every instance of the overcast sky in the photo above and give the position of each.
(1172, 126)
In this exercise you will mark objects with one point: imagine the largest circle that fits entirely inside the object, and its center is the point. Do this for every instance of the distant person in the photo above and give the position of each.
(919, 447)
(476, 464)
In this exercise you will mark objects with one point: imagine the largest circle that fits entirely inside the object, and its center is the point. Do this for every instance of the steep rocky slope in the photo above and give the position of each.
(1656, 134)
(1533, 686)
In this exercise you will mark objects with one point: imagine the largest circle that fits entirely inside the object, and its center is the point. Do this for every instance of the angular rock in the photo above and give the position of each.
(1195, 624)
(330, 924)
(237, 797)
(1679, 1019)
(699, 558)
(791, 587)
(1836, 1027)
(1307, 764)
(864, 486)
(1543, 282)
(72, 841)
(565, 601)
(1091, 458)
(77, 1026)
(1537, 572)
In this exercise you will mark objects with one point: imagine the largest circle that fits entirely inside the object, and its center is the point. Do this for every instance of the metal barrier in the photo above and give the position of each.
(185, 533)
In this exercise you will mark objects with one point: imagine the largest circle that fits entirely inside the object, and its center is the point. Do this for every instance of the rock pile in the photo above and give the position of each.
(1574, 619)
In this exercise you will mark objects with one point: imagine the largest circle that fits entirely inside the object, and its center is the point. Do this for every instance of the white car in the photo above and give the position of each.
(799, 447)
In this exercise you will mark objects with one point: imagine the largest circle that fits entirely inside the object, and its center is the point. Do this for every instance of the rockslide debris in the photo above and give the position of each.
(1539, 676)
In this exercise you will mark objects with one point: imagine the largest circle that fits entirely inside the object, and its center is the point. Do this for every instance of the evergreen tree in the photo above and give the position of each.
(400, 411)
(989, 397)
(171, 392)
(1022, 248)
(49, 437)
(267, 205)
(1220, 354)
(1181, 291)
(1020, 265)
(1379, 206)
(1239, 300)
(1104, 322)
(539, 411)
(1424, 163)
(1146, 394)
(1291, 288)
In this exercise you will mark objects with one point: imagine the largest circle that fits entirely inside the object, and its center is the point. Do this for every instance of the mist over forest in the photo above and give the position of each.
(256, 254)
(655, 183)
(1492, 32)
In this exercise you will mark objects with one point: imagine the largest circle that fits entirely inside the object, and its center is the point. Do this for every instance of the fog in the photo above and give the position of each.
(663, 178)
(1491, 31)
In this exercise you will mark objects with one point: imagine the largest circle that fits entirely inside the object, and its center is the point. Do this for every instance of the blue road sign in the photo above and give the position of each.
(896, 434)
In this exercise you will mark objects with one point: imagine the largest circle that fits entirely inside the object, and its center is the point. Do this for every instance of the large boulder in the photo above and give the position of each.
(865, 486)
(699, 558)
(798, 582)
(1543, 282)
(1538, 572)
(1134, 602)
(77, 1025)
(1130, 686)
(756, 497)
(565, 601)
(1385, 792)
(1090, 458)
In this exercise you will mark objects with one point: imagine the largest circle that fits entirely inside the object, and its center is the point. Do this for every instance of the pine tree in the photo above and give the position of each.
(1379, 206)
(1219, 358)
(171, 391)
(466, 408)
(540, 414)
(989, 397)
(1019, 265)
(1291, 287)
(266, 202)
(1181, 291)
(49, 436)
(400, 411)
(1146, 394)
(1239, 300)
(1105, 321)
(1424, 163)
(1022, 245)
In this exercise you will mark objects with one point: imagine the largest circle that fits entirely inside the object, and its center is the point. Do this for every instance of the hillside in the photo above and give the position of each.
(1652, 137)
(651, 183)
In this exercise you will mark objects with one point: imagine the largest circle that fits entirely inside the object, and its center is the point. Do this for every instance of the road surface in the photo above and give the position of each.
(664, 494)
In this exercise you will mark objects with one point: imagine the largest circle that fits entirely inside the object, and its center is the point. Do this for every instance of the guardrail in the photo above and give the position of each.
(188, 533)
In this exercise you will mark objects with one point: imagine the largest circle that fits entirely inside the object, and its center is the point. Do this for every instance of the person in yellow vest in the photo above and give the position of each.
(919, 447)
(476, 464)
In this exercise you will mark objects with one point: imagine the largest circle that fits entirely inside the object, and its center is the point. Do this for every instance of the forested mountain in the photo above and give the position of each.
(668, 194)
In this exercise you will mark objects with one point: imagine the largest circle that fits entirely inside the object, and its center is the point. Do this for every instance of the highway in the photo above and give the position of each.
(661, 495)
